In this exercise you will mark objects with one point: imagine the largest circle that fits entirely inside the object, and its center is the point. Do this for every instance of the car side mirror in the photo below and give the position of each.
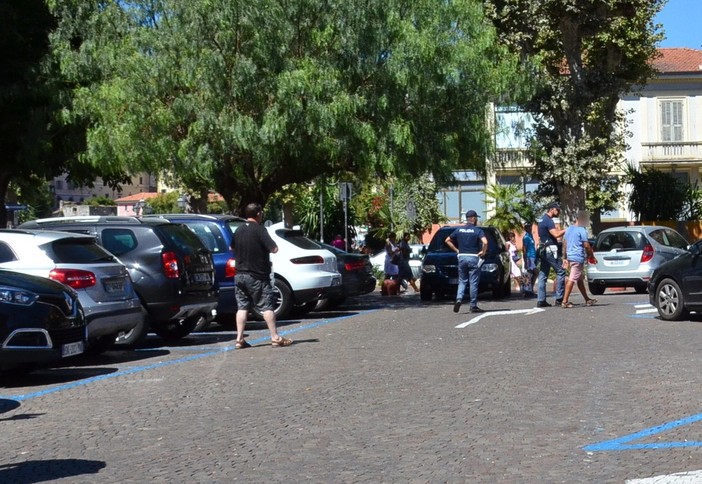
(694, 250)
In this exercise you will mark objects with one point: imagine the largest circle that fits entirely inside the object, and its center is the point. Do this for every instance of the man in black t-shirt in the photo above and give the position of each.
(252, 247)
(550, 256)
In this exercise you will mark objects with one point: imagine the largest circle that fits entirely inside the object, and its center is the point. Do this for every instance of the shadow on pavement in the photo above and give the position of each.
(6, 405)
(54, 376)
(22, 416)
(47, 470)
(112, 357)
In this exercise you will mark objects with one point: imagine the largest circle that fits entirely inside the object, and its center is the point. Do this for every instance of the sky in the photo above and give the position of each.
(681, 22)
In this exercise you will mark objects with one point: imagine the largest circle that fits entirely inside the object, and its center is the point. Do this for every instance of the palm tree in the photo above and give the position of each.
(510, 207)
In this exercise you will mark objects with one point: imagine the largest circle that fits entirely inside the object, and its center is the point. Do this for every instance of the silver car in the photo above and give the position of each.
(103, 284)
(627, 256)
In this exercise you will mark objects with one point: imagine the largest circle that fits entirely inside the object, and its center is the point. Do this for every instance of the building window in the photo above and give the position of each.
(59, 184)
(671, 121)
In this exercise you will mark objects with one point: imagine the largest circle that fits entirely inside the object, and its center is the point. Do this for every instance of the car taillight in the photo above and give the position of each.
(648, 253)
(310, 259)
(75, 278)
(592, 260)
(170, 265)
(355, 266)
(230, 268)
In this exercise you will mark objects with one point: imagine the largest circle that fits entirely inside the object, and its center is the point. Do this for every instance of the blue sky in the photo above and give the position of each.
(681, 22)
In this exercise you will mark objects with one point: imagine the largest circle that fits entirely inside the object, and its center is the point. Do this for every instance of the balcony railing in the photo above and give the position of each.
(672, 151)
(511, 158)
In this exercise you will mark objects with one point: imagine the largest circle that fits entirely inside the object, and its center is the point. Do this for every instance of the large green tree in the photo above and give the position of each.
(584, 55)
(250, 96)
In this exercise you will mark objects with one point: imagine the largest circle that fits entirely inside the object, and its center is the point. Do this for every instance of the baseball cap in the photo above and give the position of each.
(472, 213)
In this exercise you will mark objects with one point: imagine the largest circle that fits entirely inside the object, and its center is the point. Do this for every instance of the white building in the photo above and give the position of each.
(66, 191)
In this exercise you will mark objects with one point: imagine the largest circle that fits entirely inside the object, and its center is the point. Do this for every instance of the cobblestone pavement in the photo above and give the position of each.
(388, 390)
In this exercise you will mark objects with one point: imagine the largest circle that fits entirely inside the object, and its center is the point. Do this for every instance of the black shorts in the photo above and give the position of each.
(251, 292)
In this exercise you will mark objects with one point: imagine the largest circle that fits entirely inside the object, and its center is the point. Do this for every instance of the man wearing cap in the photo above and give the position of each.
(550, 256)
(471, 245)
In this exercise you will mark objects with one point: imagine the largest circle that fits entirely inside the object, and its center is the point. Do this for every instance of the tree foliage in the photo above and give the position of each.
(655, 195)
(511, 207)
(252, 96)
(584, 55)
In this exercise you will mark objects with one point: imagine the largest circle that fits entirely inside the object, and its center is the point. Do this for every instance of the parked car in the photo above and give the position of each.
(415, 262)
(172, 271)
(627, 256)
(40, 321)
(356, 276)
(103, 284)
(675, 288)
(440, 266)
(303, 271)
(216, 234)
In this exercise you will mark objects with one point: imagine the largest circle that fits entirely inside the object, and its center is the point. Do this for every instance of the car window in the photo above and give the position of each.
(620, 240)
(76, 251)
(182, 238)
(119, 241)
(210, 235)
(235, 224)
(438, 242)
(297, 238)
(674, 239)
(6, 254)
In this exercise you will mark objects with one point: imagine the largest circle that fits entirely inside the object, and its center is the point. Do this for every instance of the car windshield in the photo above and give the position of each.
(235, 224)
(210, 235)
(76, 251)
(438, 242)
(623, 240)
(668, 238)
(297, 238)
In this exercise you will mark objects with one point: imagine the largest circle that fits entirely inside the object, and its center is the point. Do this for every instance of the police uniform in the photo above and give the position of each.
(467, 240)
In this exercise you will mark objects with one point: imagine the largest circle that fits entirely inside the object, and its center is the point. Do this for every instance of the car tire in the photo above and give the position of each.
(283, 304)
(133, 337)
(596, 289)
(670, 301)
(498, 291)
(641, 289)
(328, 304)
(175, 330)
(425, 293)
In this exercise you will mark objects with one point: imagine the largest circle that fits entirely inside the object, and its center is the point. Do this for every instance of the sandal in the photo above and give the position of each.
(240, 345)
(281, 342)
(591, 302)
(567, 305)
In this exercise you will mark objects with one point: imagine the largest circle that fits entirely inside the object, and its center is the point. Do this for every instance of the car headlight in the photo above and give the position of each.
(17, 296)
(489, 267)
(429, 268)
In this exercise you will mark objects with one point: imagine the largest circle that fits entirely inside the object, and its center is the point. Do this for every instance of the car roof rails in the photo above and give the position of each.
(180, 215)
(85, 219)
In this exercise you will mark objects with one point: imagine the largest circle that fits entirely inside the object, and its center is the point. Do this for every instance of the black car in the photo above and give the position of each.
(440, 266)
(172, 271)
(675, 287)
(356, 275)
(40, 321)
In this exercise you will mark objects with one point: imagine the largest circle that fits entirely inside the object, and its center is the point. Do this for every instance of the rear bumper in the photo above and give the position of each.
(116, 318)
(186, 305)
(326, 285)
(358, 286)
(226, 303)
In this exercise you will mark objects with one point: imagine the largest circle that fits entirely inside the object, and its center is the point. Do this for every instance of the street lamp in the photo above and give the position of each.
(182, 202)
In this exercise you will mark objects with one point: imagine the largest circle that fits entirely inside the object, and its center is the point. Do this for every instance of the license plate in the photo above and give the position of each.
(453, 280)
(201, 277)
(616, 262)
(71, 349)
(114, 286)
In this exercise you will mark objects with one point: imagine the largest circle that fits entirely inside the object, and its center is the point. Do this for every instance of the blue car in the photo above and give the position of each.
(440, 266)
(215, 233)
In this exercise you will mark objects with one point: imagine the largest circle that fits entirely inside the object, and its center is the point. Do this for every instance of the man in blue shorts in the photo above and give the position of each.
(471, 245)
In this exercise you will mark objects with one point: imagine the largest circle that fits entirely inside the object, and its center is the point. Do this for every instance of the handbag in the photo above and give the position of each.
(396, 258)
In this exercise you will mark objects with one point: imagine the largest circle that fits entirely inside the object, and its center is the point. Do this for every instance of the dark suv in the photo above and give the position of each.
(172, 271)
(440, 266)
(40, 320)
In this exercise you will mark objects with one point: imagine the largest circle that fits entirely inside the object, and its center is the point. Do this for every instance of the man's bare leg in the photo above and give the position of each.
(269, 318)
(241, 317)
(568, 290)
(581, 288)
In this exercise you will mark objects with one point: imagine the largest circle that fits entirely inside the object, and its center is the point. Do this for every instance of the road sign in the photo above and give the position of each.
(411, 211)
(345, 191)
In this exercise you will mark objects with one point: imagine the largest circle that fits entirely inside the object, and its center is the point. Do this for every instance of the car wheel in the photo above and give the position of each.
(641, 289)
(498, 290)
(425, 293)
(596, 289)
(283, 301)
(507, 289)
(670, 301)
(175, 330)
(134, 336)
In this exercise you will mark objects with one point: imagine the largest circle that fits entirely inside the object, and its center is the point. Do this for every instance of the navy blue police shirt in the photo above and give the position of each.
(467, 239)
(545, 227)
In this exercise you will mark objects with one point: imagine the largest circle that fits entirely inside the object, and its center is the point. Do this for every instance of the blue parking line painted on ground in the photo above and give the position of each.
(185, 359)
(624, 443)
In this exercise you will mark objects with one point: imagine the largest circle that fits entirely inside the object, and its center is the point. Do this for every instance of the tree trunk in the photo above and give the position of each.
(572, 199)
(4, 183)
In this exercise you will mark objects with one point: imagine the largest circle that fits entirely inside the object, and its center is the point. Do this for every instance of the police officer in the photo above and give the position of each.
(550, 255)
(471, 245)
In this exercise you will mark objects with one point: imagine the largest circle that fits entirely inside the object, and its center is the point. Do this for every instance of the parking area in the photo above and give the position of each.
(387, 390)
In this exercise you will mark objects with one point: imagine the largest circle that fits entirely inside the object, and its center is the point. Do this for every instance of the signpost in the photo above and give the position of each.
(345, 193)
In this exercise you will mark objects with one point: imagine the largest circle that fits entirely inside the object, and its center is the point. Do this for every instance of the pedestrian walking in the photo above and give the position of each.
(471, 245)
(252, 246)
(339, 243)
(514, 271)
(528, 261)
(577, 250)
(391, 284)
(406, 273)
(550, 256)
